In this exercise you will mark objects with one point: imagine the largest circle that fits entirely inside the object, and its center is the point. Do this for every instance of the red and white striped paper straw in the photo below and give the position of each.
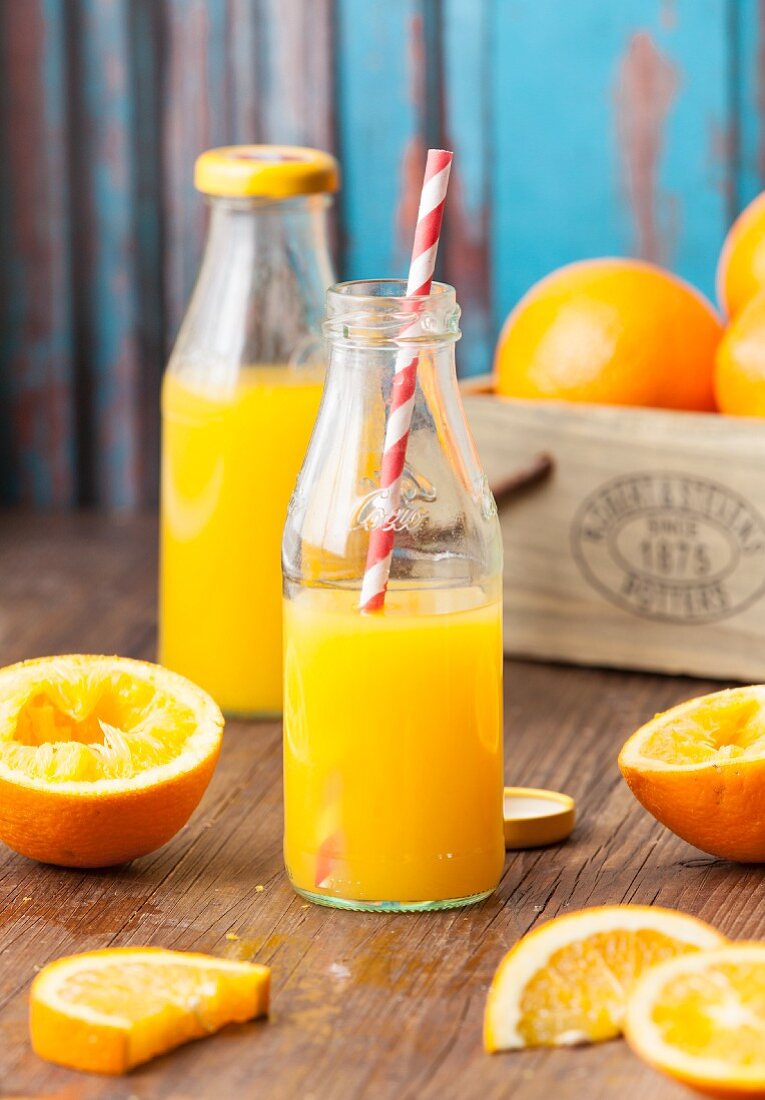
(421, 269)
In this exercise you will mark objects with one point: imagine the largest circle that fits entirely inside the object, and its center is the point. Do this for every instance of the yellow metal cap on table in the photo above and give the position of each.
(535, 817)
(265, 171)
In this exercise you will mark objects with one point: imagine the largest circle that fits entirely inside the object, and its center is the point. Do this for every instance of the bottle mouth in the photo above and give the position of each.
(379, 313)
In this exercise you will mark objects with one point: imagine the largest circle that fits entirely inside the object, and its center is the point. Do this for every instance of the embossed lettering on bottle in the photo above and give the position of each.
(410, 513)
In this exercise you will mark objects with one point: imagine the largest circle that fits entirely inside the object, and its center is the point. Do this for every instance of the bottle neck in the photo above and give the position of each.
(260, 292)
(355, 366)
(271, 227)
(373, 329)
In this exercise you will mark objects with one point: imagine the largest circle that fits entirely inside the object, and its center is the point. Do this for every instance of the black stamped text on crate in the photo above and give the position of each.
(671, 546)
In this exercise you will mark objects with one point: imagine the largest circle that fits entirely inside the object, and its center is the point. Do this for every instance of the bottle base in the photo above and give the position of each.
(391, 906)
(242, 714)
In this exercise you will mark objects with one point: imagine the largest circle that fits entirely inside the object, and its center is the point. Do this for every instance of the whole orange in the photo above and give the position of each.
(740, 369)
(611, 332)
(741, 267)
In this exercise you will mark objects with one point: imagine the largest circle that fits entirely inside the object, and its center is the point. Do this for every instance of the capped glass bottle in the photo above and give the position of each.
(392, 719)
(239, 400)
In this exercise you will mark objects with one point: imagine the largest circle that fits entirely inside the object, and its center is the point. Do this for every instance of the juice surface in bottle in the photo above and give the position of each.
(229, 466)
(239, 399)
(393, 735)
(394, 795)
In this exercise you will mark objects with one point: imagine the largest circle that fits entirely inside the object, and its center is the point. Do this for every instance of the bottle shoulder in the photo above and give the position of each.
(445, 526)
(259, 294)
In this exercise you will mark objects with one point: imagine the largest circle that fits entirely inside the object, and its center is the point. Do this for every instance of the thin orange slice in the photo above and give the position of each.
(700, 770)
(701, 1020)
(107, 1011)
(567, 982)
(102, 759)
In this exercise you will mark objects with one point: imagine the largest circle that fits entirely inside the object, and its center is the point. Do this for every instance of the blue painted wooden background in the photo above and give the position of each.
(580, 128)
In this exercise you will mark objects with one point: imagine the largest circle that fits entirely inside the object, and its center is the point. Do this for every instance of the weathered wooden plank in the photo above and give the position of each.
(194, 118)
(467, 245)
(364, 1005)
(37, 422)
(747, 36)
(696, 170)
(622, 150)
(297, 90)
(145, 43)
(107, 270)
(668, 103)
(379, 55)
(245, 52)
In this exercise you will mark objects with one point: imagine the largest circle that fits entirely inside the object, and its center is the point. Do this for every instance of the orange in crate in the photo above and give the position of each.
(740, 371)
(741, 267)
(611, 332)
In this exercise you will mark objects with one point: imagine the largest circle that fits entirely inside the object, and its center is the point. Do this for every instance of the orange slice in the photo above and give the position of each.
(567, 982)
(107, 1011)
(102, 759)
(701, 1019)
(700, 769)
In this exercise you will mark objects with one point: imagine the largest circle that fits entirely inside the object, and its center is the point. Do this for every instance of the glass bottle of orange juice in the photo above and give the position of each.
(392, 718)
(239, 400)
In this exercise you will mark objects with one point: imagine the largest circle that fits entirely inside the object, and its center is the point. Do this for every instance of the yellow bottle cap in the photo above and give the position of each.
(535, 817)
(267, 171)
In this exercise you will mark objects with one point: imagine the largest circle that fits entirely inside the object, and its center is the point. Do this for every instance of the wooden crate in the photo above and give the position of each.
(644, 548)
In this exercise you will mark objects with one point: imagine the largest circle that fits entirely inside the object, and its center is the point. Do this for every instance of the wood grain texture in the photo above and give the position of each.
(747, 35)
(624, 151)
(646, 546)
(696, 171)
(105, 245)
(245, 75)
(580, 129)
(297, 92)
(145, 57)
(234, 71)
(364, 1005)
(380, 142)
(37, 397)
(465, 129)
(193, 119)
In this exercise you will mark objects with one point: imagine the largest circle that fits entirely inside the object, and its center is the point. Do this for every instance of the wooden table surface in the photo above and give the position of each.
(363, 1005)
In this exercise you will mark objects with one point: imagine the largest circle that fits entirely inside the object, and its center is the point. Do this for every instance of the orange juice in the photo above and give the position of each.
(393, 784)
(230, 459)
